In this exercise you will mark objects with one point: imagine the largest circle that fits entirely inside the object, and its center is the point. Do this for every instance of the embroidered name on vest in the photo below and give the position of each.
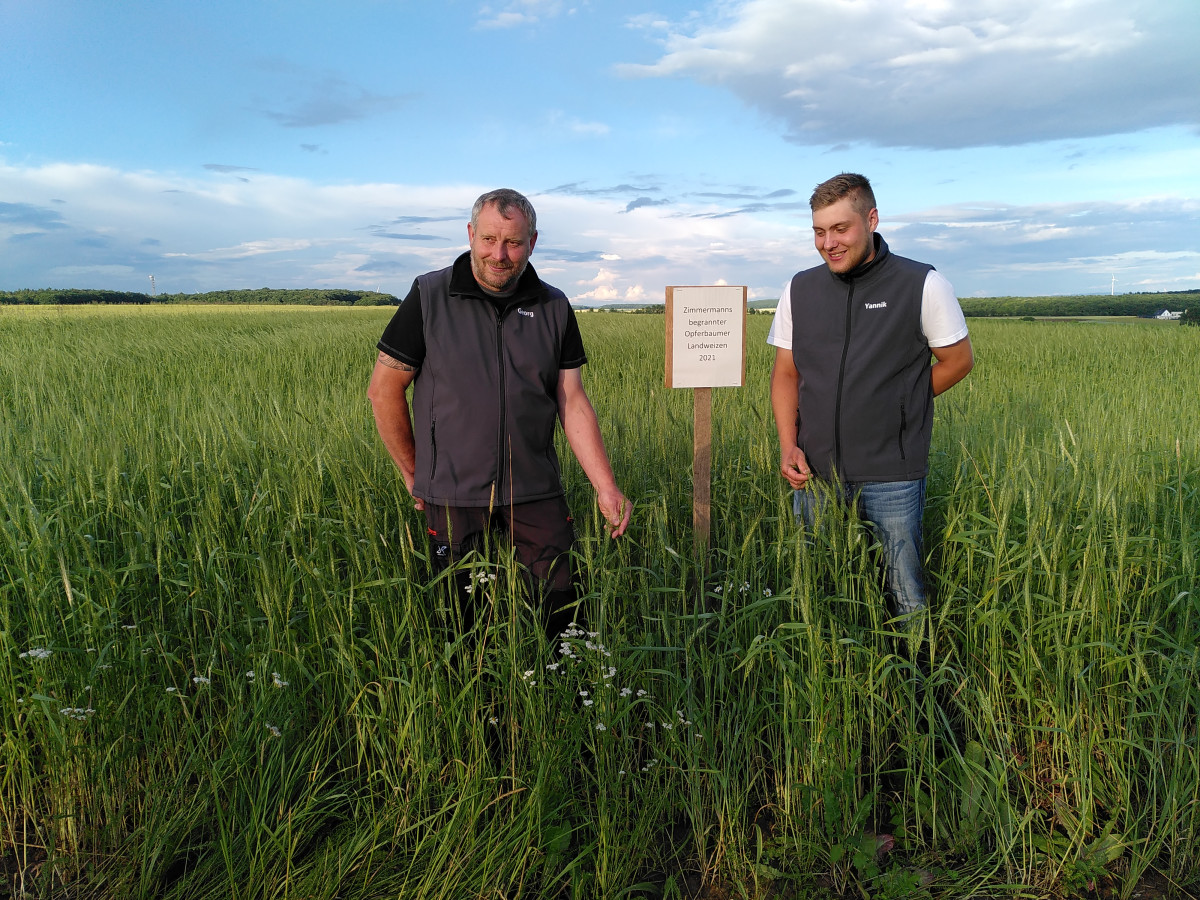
(882, 305)
(524, 312)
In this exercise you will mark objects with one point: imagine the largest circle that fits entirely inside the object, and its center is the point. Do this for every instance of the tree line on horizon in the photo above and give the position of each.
(1142, 304)
(1145, 304)
(259, 296)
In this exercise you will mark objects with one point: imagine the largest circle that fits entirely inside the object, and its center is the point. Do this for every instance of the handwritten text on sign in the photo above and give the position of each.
(706, 336)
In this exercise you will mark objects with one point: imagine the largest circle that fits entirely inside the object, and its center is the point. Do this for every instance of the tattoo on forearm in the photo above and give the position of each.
(392, 363)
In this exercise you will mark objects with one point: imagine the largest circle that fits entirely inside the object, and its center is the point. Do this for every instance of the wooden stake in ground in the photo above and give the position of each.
(701, 469)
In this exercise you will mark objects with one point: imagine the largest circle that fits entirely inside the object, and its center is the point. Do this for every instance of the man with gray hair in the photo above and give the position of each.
(493, 355)
(852, 387)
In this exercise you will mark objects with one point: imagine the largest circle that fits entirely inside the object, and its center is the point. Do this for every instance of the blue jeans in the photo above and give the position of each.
(893, 511)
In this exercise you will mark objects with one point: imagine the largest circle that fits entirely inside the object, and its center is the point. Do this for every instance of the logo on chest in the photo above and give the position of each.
(880, 305)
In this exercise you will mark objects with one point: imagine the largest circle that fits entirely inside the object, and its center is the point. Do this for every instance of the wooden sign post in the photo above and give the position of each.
(706, 348)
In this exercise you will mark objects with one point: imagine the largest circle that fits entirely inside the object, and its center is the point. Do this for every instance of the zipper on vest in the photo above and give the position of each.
(837, 408)
(432, 447)
(903, 428)
(500, 429)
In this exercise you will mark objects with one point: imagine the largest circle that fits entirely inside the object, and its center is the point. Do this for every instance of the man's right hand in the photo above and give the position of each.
(409, 481)
(389, 402)
(794, 467)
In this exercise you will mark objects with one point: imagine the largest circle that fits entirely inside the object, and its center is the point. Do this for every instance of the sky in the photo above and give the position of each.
(1023, 147)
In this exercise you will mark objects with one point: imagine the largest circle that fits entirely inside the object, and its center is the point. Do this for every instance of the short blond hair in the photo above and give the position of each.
(848, 184)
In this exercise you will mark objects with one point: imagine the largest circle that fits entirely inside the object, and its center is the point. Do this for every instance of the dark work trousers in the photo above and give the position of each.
(540, 532)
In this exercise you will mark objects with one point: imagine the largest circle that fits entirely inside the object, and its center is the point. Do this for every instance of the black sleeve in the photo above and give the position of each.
(572, 355)
(404, 337)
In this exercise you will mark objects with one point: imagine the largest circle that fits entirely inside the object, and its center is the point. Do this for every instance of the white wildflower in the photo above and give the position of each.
(493, 720)
(588, 702)
(172, 690)
(37, 653)
(600, 726)
(200, 679)
(275, 732)
(625, 692)
(278, 681)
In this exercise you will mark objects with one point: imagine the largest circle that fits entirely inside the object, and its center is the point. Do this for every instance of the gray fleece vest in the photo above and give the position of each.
(865, 407)
(485, 401)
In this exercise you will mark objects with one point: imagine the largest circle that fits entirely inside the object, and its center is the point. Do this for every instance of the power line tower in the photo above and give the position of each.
(153, 288)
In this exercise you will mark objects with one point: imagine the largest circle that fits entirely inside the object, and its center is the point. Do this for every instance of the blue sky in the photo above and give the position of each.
(1021, 147)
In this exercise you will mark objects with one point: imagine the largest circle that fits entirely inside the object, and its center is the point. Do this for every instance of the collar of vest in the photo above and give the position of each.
(462, 282)
(865, 269)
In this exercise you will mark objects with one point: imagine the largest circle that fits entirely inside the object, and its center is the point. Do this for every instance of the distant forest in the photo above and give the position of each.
(1087, 305)
(262, 296)
(995, 307)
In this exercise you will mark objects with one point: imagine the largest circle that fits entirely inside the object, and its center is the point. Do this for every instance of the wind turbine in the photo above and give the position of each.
(1112, 290)
(153, 288)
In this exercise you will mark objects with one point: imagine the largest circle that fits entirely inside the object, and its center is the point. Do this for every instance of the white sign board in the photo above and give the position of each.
(706, 336)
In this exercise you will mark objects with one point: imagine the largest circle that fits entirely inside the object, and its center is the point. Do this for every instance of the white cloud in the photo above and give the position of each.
(517, 13)
(957, 73)
(559, 121)
(95, 227)
(595, 129)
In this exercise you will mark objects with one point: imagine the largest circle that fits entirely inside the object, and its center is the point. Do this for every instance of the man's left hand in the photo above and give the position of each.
(616, 509)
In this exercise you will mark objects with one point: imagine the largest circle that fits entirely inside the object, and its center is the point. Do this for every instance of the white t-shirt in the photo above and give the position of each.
(942, 320)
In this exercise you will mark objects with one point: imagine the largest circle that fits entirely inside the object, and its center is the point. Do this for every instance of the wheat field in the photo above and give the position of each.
(228, 670)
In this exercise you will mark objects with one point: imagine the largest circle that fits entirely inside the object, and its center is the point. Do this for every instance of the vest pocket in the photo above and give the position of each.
(903, 427)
